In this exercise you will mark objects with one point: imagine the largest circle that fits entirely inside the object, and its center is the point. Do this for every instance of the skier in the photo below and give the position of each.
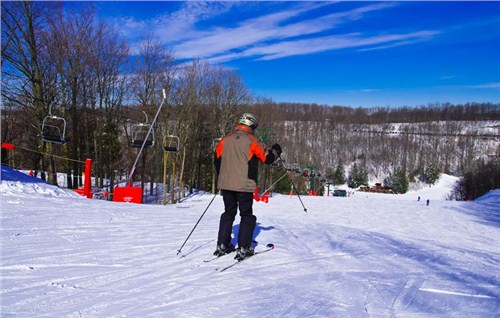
(236, 161)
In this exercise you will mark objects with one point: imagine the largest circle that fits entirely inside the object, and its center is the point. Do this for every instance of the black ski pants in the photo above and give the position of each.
(233, 200)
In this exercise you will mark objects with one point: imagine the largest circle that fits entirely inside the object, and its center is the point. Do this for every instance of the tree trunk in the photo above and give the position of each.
(181, 173)
(172, 181)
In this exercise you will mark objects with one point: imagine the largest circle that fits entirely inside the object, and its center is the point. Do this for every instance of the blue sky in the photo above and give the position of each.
(348, 53)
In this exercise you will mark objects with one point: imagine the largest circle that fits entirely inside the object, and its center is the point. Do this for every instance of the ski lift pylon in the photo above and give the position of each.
(171, 143)
(54, 128)
(140, 134)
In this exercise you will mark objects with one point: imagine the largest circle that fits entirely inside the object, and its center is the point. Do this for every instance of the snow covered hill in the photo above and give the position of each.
(368, 255)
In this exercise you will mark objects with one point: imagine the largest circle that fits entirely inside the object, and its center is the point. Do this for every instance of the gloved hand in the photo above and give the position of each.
(277, 148)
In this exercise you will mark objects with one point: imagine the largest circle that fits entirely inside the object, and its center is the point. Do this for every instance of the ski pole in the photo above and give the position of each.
(294, 187)
(284, 175)
(179, 250)
(298, 195)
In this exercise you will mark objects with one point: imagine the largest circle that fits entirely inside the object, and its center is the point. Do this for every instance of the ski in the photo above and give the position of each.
(269, 246)
(208, 260)
(213, 258)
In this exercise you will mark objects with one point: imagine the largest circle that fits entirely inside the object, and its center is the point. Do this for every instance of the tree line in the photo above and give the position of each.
(65, 62)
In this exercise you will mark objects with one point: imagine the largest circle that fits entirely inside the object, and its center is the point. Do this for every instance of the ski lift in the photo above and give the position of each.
(140, 134)
(54, 128)
(171, 143)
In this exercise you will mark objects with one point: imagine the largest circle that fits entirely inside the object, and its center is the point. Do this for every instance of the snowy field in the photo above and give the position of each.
(368, 255)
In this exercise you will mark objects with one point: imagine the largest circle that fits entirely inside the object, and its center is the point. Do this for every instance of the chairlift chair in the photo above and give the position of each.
(171, 143)
(53, 128)
(139, 133)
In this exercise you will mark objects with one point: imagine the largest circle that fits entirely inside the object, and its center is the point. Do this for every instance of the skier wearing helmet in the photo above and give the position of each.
(236, 161)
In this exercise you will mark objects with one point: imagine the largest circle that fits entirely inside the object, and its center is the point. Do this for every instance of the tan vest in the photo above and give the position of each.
(239, 154)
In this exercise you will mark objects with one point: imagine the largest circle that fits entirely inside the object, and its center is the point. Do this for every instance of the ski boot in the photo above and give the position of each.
(243, 252)
(223, 249)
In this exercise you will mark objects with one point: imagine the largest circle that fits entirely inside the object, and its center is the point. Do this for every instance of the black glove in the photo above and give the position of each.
(277, 148)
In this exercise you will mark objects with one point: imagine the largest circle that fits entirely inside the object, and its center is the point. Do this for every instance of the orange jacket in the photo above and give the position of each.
(237, 158)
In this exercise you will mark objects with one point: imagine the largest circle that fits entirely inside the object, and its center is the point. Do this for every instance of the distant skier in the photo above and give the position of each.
(418, 198)
(428, 201)
(236, 161)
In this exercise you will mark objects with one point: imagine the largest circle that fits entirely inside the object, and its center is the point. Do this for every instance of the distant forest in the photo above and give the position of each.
(414, 142)
(70, 73)
(448, 136)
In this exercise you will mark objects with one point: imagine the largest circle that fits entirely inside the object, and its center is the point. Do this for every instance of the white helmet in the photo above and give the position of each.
(249, 120)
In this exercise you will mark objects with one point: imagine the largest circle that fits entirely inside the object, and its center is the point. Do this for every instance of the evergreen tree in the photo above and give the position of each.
(398, 181)
(363, 177)
(284, 185)
(352, 176)
(432, 174)
(357, 177)
(339, 175)
(404, 182)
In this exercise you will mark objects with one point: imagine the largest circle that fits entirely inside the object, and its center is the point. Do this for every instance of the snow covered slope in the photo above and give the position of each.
(369, 255)
(18, 183)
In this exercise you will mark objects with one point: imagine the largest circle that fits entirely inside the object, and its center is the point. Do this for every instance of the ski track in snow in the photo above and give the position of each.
(369, 255)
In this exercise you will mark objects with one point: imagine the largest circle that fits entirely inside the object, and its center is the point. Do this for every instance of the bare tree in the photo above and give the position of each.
(71, 42)
(152, 73)
(27, 77)
(187, 101)
(226, 94)
(108, 61)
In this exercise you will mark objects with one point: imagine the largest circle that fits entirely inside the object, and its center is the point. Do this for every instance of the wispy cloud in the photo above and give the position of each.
(258, 33)
(265, 28)
(334, 42)
(447, 77)
(274, 35)
(481, 86)
(174, 27)
(485, 85)
(181, 25)
(413, 38)
(364, 90)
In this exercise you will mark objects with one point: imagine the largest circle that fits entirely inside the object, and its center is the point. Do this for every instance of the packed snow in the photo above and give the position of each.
(366, 255)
